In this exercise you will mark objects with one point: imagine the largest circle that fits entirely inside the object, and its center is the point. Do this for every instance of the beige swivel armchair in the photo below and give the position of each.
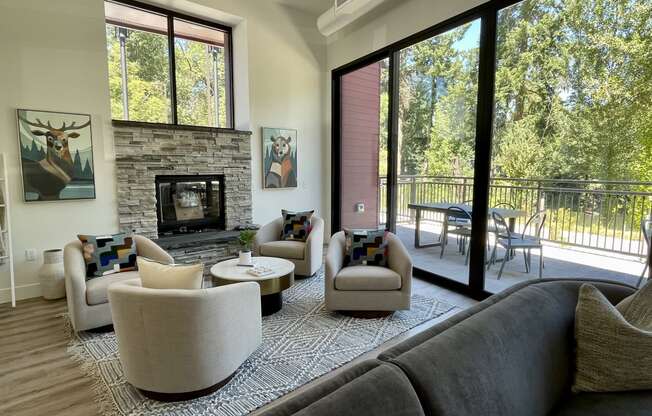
(178, 344)
(368, 288)
(88, 304)
(306, 256)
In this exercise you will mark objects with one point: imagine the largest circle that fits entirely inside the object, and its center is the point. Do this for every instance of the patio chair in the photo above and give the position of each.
(491, 225)
(646, 229)
(525, 242)
(460, 220)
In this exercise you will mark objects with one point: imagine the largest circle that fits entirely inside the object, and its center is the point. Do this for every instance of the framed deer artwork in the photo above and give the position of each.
(56, 155)
(279, 158)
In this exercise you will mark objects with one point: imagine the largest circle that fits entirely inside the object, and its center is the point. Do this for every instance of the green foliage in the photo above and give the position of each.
(148, 79)
(246, 239)
(573, 96)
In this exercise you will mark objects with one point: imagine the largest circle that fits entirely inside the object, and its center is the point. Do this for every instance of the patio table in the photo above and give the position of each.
(442, 207)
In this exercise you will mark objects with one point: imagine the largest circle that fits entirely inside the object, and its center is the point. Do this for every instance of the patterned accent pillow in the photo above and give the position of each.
(365, 247)
(296, 225)
(107, 254)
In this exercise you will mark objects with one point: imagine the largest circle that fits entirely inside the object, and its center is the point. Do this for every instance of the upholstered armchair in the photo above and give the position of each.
(306, 256)
(368, 288)
(177, 344)
(88, 304)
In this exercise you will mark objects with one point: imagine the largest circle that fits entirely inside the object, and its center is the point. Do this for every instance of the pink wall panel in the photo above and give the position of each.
(360, 120)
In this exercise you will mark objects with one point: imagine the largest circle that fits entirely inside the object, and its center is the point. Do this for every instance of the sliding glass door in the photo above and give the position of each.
(438, 90)
(509, 143)
(572, 140)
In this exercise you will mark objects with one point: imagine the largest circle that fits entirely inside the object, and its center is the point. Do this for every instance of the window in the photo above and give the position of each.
(168, 68)
(519, 143)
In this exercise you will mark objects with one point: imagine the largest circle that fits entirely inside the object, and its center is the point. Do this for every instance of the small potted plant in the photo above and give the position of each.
(246, 241)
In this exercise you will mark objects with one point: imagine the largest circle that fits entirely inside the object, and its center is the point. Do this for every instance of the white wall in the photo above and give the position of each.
(54, 58)
(388, 23)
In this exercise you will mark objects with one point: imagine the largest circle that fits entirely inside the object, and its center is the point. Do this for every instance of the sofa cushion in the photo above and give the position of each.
(96, 289)
(613, 350)
(634, 403)
(367, 278)
(285, 249)
(615, 292)
(518, 356)
(385, 390)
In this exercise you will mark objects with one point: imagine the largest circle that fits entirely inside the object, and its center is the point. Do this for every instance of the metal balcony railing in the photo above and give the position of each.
(604, 215)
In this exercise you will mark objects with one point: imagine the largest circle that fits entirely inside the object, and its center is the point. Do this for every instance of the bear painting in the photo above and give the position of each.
(279, 158)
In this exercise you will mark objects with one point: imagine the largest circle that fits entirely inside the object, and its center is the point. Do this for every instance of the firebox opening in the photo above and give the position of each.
(189, 203)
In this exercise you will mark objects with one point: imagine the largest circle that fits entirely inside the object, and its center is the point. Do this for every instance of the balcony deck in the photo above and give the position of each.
(560, 261)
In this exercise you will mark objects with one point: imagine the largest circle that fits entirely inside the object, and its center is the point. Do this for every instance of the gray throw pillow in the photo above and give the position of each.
(614, 349)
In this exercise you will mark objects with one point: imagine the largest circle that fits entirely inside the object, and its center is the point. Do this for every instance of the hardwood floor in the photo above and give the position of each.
(38, 377)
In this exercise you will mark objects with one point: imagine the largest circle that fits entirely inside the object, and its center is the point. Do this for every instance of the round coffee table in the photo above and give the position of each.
(271, 285)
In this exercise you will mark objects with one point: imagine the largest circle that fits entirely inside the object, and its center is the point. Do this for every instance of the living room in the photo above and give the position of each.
(325, 207)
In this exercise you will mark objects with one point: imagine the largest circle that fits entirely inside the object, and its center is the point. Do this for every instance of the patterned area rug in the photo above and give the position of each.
(301, 342)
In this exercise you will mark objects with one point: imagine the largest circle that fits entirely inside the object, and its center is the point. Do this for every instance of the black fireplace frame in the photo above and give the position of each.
(203, 224)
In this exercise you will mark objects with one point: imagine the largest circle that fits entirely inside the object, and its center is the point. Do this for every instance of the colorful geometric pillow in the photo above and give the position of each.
(296, 225)
(107, 254)
(365, 247)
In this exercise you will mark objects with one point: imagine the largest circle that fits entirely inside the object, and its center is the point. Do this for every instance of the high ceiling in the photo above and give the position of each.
(315, 7)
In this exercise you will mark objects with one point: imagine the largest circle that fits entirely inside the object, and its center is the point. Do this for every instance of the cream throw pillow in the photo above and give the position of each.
(155, 275)
(614, 344)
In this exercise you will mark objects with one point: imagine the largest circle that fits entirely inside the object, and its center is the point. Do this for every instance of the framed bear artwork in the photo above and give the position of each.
(279, 158)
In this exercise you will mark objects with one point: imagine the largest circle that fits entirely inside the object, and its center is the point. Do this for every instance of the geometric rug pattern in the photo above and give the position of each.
(300, 343)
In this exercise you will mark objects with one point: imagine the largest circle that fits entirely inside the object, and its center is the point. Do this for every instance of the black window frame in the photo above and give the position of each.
(487, 13)
(171, 15)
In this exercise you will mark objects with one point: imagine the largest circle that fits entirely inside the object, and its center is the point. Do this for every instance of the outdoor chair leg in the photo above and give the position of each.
(491, 257)
(525, 259)
(444, 241)
(640, 280)
(502, 266)
(541, 263)
(466, 261)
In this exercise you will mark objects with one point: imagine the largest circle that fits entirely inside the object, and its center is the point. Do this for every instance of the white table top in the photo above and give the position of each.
(229, 269)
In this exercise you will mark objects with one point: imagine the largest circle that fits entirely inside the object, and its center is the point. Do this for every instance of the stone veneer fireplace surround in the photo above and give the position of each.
(145, 150)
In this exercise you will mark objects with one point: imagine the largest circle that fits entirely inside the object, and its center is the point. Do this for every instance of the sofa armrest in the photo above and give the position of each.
(267, 233)
(147, 248)
(399, 260)
(75, 277)
(315, 244)
(334, 259)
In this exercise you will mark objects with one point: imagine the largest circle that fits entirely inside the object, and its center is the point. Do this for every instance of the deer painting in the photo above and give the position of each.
(47, 175)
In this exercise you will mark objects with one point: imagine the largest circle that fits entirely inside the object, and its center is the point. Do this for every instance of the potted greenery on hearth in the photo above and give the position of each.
(246, 242)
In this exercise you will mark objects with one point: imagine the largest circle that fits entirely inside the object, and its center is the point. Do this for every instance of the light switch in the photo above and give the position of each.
(30, 254)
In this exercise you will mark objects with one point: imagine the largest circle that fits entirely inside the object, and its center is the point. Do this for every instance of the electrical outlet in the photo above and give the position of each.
(30, 254)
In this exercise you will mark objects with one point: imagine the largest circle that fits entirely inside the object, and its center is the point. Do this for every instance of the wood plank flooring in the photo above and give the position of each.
(38, 377)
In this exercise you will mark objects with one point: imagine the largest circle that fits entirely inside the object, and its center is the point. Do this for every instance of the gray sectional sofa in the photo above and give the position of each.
(511, 355)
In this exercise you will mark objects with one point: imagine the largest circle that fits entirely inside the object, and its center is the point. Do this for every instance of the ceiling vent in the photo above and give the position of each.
(343, 13)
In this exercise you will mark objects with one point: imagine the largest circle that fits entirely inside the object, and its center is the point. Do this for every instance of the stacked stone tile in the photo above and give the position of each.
(142, 152)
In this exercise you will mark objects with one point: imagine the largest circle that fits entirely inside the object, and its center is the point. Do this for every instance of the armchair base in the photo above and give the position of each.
(180, 397)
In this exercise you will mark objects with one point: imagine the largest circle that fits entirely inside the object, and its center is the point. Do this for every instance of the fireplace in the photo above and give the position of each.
(189, 203)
